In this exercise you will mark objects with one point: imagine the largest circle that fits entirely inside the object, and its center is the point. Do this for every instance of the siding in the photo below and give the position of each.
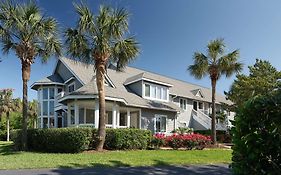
(148, 115)
(136, 87)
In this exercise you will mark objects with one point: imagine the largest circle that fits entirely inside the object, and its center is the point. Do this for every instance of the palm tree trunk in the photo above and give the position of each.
(100, 72)
(25, 77)
(214, 134)
(8, 126)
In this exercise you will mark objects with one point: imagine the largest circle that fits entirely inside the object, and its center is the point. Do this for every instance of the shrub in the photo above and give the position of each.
(62, 140)
(189, 141)
(123, 139)
(72, 140)
(158, 140)
(222, 136)
(3, 135)
(257, 136)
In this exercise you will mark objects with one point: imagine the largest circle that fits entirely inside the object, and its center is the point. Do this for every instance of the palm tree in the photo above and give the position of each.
(7, 106)
(215, 64)
(32, 112)
(101, 39)
(24, 30)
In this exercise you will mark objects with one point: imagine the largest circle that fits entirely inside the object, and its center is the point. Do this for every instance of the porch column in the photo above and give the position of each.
(97, 113)
(118, 117)
(114, 115)
(76, 113)
(128, 118)
(56, 120)
(68, 115)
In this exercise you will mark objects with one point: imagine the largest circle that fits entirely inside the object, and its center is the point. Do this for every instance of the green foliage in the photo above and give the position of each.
(72, 140)
(62, 140)
(257, 136)
(263, 78)
(123, 139)
(222, 136)
(183, 130)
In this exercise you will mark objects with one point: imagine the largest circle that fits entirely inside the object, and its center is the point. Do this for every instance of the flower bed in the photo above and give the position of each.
(176, 141)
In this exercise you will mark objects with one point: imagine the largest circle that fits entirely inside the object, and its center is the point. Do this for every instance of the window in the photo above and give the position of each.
(71, 87)
(45, 107)
(45, 93)
(156, 92)
(81, 116)
(122, 119)
(51, 108)
(59, 90)
(147, 90)
(160, 123)
(183, 104)
(51, 93)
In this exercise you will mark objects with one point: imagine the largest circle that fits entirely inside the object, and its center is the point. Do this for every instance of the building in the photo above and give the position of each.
(134, 98)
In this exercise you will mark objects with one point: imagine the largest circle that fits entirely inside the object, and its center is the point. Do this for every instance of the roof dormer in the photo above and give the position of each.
(197, 93)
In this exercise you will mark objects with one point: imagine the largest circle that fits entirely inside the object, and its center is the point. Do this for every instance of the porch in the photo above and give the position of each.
(86, 113)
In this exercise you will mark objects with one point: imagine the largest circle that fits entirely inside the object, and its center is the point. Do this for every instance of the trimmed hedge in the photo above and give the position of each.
(257, 136)
(73, 140)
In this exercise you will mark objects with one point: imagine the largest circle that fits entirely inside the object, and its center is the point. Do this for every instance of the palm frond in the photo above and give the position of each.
(200, 67)
(215, 49)
(229, 64)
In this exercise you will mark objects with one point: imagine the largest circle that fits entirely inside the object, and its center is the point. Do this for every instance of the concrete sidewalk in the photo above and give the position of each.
(161, 170)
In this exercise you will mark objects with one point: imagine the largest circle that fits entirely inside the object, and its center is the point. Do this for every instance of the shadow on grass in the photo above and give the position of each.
(6, 148)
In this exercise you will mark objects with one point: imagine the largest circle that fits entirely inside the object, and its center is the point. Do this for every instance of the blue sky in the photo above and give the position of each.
(171, 31)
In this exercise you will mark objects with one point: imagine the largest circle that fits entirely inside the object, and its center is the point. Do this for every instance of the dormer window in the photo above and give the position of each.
(155, 92)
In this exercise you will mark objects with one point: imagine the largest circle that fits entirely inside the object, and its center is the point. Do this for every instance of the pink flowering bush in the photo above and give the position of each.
(188, 141)
(158, 140)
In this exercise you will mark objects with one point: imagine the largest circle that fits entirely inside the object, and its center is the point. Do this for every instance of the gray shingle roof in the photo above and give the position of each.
(179, 88)
(52, 79)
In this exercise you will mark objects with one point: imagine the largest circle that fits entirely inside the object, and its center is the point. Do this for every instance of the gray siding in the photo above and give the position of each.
(148, 115)
(136, 87)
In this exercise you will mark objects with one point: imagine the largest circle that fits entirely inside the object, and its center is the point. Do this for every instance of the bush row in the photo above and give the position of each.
(188, 141)
(222, 136)
(72, 140)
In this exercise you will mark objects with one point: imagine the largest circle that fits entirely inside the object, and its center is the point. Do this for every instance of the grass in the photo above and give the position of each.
(18, 160)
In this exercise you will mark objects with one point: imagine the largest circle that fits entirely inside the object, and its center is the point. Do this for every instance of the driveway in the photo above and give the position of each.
(161, 170)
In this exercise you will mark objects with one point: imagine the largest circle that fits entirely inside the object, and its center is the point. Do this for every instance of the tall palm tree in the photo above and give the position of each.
(32, 112)
(7, 106)
(215, 64)
(24, 30)
(101, 39)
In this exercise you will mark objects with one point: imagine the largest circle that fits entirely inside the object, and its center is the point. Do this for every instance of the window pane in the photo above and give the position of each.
(147, 90)
(184, 104)
(153, 91)
(71, 88)
(45, 122)
(163, 124)
(59, 90)
(45, 93)
(158, 129)
(158, 92)
(164, 93)
(52, 93)
(45, 108)
(122, 120)
(90, 116)
(81, 116)
(51, 108)
(72, 119)
(108, 118)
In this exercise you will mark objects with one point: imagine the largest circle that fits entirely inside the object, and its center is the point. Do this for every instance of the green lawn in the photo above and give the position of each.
(16, 160)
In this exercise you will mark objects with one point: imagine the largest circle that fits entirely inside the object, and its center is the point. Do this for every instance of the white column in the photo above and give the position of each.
(97, 113)
(68, 115)
(56, 119)
(76, 113)
(114, 115)
(118, 116)
(128, 118)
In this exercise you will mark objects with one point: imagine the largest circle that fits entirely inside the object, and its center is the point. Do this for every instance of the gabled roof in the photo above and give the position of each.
(197, 93)
(54, 79)
(129, 98)
(180, 88)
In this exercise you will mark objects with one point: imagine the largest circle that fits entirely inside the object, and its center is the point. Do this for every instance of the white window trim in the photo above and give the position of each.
(185, 103)
(152, 98)
(160, 115)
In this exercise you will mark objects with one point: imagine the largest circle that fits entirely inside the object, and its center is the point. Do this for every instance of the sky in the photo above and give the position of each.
(169, 32)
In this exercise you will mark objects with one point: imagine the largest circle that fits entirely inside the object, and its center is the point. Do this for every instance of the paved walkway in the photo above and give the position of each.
(162, 170)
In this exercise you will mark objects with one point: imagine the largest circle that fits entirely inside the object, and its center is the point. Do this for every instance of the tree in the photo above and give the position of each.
(262, 78)
(215, 64)
(32, 113)
(101, 39)
(24, 30)
(7, 106)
